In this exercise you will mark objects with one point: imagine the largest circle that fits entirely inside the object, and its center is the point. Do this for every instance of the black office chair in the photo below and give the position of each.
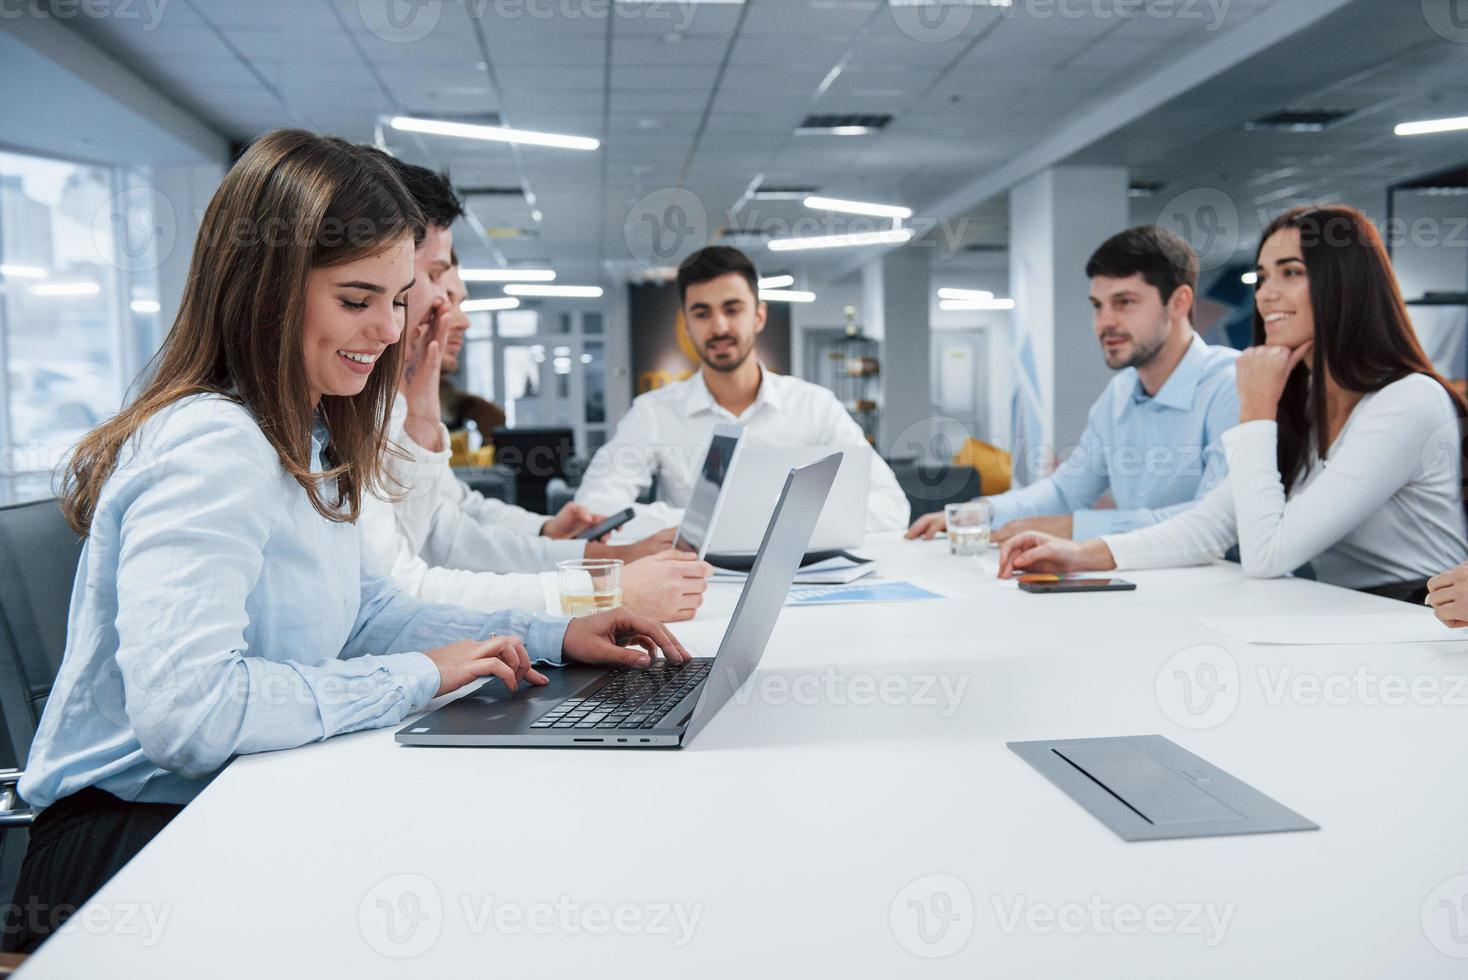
(931, 486)
(536, 456)
(495, 482)
(38, 559)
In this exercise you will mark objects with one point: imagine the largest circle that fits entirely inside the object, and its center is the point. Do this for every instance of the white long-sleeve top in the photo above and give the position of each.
(667, 430)
(1384, 507)
(534, 592)
(215, 613)
(449, 525)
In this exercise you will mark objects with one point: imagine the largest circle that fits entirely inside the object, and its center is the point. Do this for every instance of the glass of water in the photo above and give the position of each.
(589, 585)
(968, 526)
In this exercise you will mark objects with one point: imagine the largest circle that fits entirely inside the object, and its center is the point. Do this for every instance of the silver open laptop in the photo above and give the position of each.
(661, 706)
(756, 484)
(706, 501)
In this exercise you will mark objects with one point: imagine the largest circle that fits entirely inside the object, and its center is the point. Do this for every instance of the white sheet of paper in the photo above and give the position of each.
(1407, 626)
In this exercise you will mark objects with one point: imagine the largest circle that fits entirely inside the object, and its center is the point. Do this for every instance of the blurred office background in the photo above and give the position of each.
(1000, 142)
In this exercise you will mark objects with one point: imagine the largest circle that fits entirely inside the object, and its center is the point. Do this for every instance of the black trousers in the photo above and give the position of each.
(76, 845)
(1413, 592)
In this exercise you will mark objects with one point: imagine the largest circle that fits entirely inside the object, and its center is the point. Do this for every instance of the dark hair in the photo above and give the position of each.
(708, 264)
(1164, 260)
(293, 202)
(1363, 336)
(434, 193)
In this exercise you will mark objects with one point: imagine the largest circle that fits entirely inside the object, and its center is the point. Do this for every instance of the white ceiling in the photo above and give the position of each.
(692, 101)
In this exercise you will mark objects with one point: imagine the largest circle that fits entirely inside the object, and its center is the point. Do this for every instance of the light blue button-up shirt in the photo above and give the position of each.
(216, 613)
(1158, 454)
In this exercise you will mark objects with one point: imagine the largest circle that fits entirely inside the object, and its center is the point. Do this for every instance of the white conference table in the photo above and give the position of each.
(825, 825)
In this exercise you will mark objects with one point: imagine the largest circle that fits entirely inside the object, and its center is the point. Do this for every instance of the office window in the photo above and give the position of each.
(478, 356)
(78, 310)
(518, 323)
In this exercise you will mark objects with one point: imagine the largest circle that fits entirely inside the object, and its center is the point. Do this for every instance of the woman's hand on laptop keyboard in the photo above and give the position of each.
(504, 657)
(620, 637)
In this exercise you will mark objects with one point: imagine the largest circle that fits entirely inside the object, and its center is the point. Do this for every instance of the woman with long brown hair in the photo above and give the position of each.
(1348, 455)
(222, 604)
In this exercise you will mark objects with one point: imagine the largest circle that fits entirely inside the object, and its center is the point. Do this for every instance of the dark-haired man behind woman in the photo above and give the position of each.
(223, 604)
(1348, 454)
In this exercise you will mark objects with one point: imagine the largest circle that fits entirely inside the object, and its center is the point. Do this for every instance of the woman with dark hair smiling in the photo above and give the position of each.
(222, 605)
(1348, 454)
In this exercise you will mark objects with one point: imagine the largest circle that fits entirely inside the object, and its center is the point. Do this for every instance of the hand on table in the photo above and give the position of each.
(667, 586)
(1033, 551)
(1447, 594)
(1055, 525)
(629, 553)
(927, 526)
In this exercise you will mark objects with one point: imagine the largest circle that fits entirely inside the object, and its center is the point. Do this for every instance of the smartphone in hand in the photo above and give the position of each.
(607, 526)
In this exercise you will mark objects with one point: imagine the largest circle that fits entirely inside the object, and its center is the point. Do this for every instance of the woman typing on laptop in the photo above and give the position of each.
(222, 604)
(1348, 455)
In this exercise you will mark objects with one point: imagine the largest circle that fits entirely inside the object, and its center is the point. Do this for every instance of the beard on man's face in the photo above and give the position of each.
(1133, 352)
(729, 357)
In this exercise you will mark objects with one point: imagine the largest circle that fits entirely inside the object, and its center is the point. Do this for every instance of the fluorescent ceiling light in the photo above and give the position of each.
(146, 306)
(816, 203)
(832, 130)
(507, 275)
(776, 282)
(787, 296)
(1432, 126)
(779, 195)
(579, 292)
(499, 134)
(972, 294)
(487, 305)
(1249, 278)
(66, 289)
(892, 236)
(23, 271)
(955, 305)
(949, 3)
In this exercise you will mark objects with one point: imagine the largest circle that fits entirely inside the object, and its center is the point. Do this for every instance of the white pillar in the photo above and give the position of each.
(895, 289)
(1057, 218)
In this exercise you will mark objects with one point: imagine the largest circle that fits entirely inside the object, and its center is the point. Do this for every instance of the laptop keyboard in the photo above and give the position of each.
(632, 698)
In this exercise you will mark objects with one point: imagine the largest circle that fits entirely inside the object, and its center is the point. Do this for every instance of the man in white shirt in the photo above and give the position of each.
(440, 526)
(667, 430)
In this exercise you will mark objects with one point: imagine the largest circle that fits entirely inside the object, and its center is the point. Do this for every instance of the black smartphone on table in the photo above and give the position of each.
(607, 526)
(1060, 583)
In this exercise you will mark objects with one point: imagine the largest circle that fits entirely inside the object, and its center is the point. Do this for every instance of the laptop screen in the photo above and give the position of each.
(765, 590)
(708, 487)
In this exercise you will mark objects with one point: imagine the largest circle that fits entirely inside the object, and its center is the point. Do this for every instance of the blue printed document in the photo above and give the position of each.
(825, 595)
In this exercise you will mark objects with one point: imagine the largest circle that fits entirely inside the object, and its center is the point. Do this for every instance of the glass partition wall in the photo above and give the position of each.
(79, 310)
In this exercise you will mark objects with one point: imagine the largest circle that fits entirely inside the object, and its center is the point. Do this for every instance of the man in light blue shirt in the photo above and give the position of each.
(1153, 437)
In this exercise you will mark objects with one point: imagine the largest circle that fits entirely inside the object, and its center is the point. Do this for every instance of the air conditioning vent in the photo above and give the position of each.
(783, 192)
(867, 120)
(472, 118)
(492, 192)
(1300, 120)
(1452, 182)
